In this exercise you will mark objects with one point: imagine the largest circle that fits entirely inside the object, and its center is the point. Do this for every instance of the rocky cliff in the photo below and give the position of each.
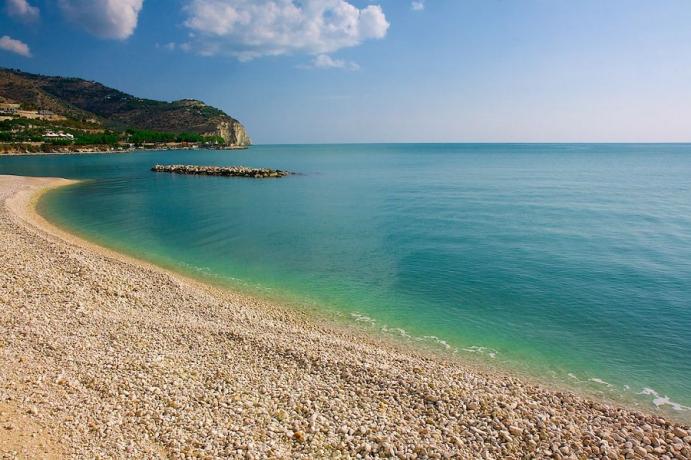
(88, 100)
(233, 132)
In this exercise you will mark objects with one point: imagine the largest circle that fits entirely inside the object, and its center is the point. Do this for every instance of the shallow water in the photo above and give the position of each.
(569, 262)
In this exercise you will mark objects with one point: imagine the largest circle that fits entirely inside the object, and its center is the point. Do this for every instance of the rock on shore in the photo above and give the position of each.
(125, 360)
(227, 171)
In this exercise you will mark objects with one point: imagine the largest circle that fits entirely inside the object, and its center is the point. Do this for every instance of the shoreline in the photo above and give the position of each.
(116, 151)
(593, 389)
(408, 402)
(292, 307)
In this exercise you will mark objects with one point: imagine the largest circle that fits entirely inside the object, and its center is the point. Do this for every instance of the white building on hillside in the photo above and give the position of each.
(52, 135)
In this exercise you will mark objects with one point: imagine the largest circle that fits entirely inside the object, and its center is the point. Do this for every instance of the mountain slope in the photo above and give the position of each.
(82, 99)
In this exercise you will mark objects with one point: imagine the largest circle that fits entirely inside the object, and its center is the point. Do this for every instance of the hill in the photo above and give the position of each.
(84, 100)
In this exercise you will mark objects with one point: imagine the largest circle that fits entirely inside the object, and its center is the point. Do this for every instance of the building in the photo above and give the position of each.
(52, 135)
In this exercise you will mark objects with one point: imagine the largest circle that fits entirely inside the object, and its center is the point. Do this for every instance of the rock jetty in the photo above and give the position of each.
(226, 171)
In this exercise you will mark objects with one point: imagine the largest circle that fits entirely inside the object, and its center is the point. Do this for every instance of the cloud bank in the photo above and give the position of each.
(22, 10)
(417, 5)
(116, 19)
(15, 46)
(248, 29)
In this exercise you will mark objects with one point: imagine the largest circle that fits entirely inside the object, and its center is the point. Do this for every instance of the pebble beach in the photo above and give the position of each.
(103, 356)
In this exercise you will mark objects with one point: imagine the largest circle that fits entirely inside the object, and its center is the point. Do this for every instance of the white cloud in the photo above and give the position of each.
(324, 61)
(22, 10)
(104, 18)
(417, 5)
(248, 29)
(15, 46)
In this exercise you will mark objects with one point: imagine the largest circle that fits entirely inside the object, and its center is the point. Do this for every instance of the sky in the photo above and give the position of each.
(321, 71)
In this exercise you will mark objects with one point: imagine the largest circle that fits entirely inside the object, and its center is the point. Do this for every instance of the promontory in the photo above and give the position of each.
(58, 114)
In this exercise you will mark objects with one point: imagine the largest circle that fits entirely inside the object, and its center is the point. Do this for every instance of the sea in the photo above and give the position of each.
(567, 263)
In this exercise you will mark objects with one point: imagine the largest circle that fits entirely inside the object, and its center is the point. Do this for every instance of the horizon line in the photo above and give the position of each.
(480, 143)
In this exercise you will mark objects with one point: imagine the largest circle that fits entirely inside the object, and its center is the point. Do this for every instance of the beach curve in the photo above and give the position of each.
(122, 358)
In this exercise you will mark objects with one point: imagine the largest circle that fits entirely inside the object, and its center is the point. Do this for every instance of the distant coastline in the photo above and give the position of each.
(42, 114)
(45, 149)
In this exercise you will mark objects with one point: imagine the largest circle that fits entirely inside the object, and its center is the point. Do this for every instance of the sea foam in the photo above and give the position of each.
(660, 401)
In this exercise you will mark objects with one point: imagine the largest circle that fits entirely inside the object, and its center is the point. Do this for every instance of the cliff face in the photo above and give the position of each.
(232, 131)
(82, 99)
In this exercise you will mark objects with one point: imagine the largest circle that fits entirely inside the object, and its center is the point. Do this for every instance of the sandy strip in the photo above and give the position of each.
(102, 356)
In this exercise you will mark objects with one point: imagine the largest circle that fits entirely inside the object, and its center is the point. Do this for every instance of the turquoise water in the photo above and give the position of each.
(568, 262)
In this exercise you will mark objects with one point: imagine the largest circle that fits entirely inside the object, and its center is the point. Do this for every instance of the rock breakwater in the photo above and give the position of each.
(226, 171)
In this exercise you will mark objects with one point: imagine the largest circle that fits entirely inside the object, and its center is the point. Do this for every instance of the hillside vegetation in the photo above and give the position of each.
(75, 105)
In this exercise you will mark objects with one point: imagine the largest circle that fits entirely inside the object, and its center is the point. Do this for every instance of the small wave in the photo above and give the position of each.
(359, 317)
(656, 399)
(491, 352)
(196, 268)
(660, 401)
(396, 331)
(425, 338)
(436, 339)
(206, 272)
(362, 318)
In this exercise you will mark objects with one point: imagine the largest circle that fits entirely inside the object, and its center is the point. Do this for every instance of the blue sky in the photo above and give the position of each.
(382, 71)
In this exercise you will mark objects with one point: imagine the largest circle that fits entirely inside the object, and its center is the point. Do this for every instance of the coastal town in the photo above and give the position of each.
(26, 130)
(51, 114)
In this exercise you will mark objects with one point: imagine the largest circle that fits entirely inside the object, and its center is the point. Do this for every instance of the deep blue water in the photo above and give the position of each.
(569, 262)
